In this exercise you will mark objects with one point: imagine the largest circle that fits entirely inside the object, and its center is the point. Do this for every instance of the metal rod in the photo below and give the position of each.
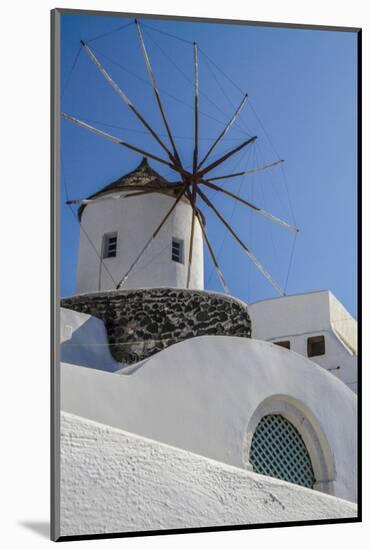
(252, 171)
(226, 156)
(250, 205)
(153, 236)
(195, 150)
(225, 131)
(242, 244)
(140, 193)
(123, 143)
(125, 98)
(156, 91)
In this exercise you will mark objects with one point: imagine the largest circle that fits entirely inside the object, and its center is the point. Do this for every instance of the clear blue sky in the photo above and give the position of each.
(301, 86)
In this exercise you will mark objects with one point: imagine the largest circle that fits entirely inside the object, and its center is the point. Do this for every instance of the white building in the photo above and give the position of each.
(265, 433)
(114, 231)
(314, 324)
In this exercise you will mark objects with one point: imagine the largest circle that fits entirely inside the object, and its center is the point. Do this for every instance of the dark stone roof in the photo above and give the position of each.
(141, 178)
(143, 175)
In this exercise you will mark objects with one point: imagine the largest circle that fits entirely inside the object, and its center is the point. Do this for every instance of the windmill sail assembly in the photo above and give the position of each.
(190, 185)
(182, 352)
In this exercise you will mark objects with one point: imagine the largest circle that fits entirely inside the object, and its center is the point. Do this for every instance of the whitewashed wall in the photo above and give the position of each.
(135, 219)
(113, 481)
(84, 341)
(206, 394)
(343, 323)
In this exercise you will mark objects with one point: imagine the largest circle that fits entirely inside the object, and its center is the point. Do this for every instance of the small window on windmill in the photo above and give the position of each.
(109, 245)
(177, 251)
(283, 344)
(316, 346)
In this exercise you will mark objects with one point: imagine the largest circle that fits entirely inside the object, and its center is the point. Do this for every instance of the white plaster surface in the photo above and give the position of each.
(84, 341)
(135, 219)
(343, 323)
(203, 394)
(297, 317)
(114, 481)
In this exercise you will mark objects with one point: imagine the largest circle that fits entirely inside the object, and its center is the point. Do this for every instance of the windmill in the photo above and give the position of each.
(190, 183)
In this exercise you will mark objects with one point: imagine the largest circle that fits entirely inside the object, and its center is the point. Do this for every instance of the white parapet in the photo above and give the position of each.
(84, 341)
(114, 481)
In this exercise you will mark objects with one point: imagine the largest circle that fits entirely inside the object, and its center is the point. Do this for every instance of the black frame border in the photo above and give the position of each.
(55, 295)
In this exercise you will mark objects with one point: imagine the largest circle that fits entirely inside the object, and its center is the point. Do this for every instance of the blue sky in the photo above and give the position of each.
(302, 106)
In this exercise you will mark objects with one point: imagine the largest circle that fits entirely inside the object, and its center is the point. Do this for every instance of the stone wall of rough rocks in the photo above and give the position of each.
(140, 323)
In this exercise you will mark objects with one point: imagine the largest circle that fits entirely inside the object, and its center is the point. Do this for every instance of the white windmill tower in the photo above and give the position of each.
(113, 231)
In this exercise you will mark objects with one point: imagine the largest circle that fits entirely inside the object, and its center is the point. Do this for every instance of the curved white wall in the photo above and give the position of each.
(84, 341)
(202, 395)
(135, 219)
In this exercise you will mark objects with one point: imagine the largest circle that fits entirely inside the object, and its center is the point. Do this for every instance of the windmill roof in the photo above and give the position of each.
(142, 177)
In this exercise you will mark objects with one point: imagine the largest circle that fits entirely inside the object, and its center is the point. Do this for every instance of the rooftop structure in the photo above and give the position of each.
(315, 325)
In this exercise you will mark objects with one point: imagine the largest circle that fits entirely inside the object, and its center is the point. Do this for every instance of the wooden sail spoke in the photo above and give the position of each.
(242, 244)
(156, 91)
(151, 239)
(225, 131)
(191, 247)
(246, 172)
(250, 205)
(90, 201)
(139, 193)
(115, 196)
(95, 130)
(149, 191)
(215, 262)
(208, 244)
(226, 156)
(125, 98)
(192, 198)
